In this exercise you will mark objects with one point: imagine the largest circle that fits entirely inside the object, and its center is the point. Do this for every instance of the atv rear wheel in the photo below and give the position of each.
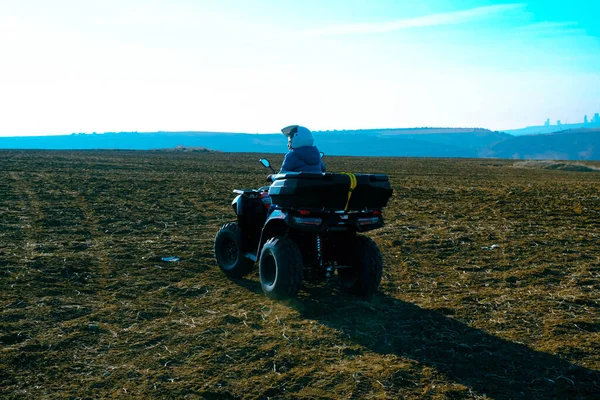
(228, 251)
(363, 275)
(280, 268)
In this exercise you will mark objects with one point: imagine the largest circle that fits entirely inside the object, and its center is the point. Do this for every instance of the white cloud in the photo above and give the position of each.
(552, 28)
(549, 25)
(449, 18)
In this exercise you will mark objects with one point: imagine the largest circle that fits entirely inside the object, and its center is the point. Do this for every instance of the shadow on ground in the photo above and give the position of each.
(487, 364)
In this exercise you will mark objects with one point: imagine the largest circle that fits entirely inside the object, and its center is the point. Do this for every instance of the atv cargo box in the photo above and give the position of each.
(330, 191)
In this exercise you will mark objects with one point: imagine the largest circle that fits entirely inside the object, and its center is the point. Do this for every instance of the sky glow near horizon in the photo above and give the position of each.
(241, 66)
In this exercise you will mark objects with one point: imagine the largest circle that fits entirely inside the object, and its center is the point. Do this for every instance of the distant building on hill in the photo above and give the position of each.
(547, 123)
(596, 119)
(558, 123)
(585, 120)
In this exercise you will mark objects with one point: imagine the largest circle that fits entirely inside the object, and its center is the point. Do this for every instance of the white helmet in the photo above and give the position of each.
(300, 135)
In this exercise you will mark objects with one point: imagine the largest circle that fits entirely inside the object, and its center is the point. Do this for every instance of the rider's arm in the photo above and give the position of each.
(290, 162)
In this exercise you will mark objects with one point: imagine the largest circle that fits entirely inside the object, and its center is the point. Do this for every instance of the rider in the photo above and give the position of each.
(303, 155)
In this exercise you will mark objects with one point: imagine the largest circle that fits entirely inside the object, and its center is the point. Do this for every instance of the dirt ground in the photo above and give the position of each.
(490, 290)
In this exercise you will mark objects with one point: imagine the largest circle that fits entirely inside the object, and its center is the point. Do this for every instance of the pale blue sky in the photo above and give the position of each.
(255, 66)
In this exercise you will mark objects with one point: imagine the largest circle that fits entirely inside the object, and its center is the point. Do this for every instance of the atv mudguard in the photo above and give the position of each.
(275, 225)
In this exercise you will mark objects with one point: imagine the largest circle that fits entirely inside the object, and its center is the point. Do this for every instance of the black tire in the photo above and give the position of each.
(229, 253)
(280, 268)
(363, 276)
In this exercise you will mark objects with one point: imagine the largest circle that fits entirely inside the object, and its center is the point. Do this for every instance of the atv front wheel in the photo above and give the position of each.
(280, 268)
(228, 251)
(363, 275)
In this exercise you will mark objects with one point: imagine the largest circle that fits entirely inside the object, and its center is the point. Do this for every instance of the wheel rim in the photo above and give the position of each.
(228, 253)
(268, 271)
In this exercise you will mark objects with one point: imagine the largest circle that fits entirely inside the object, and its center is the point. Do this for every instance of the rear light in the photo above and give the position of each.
(266, 199)
(308, 221)
(368, 221)
(376, 212)
(304, 212)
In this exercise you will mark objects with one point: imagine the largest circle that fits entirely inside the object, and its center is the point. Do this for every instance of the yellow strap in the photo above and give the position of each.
(351, 188)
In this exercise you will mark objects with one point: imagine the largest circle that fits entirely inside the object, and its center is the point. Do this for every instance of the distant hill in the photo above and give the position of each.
(576, 144)
(420, 142)
(184, 149)
(536, 130)
(582, 144)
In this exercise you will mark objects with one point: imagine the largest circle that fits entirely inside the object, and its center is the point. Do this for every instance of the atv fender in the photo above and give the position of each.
(276, 225)
(237, 205)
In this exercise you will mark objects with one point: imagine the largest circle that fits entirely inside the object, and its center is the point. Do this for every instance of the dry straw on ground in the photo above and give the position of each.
(557, 165)
(490, 286)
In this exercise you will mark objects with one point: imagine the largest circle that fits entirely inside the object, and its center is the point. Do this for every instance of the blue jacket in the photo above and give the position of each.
(303, 159)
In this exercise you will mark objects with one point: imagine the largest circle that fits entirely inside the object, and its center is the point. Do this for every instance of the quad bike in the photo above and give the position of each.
(305, 226)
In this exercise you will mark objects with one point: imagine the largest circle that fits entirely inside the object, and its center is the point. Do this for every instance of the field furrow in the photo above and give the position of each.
(490, 287)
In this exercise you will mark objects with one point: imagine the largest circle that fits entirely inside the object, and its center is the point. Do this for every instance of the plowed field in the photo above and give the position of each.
(491, 285)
